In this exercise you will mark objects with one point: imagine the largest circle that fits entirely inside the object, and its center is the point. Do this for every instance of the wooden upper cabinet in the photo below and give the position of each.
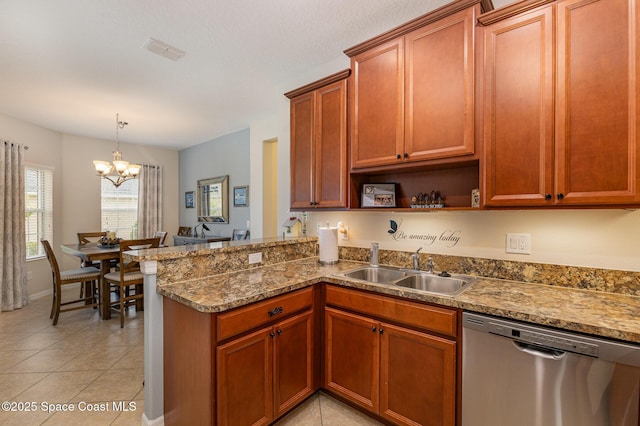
(518, 110)
(412, 90)
(330, 183)
(439, 99)
(597, 102)
(302, 139)
(575, 144)
(319, 143)
(377, 135)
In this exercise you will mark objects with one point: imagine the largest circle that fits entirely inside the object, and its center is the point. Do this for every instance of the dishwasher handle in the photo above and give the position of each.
(540, 351)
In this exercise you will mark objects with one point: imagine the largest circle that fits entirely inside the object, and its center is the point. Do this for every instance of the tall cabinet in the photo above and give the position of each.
(319, 143)
(560, 107)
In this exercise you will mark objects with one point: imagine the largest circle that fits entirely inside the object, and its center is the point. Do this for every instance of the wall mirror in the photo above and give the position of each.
(213, 199)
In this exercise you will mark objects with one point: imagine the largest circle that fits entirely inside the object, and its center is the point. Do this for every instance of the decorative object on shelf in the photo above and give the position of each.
(433, 200)
(241, 196)
(188, 200)
(120, 171)
(378, 195)
(184, 231)
(475, 198)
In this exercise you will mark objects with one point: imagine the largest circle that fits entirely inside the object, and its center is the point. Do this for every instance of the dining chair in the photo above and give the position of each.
(129, 278)
(240, 234)
(162, 235)
(62, 278)
(87, 238)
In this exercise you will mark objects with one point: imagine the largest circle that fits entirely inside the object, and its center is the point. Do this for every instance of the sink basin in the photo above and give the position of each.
(434, 283)
(423, 281)
(376, 274)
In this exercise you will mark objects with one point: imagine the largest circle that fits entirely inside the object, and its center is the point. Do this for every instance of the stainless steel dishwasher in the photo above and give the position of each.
(519, 374)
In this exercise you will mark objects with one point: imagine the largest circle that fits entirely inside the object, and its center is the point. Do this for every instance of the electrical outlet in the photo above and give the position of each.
(518, 243)
(255, 258)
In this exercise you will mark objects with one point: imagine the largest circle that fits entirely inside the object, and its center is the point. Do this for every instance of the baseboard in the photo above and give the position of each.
(40, 295)
(155, 422)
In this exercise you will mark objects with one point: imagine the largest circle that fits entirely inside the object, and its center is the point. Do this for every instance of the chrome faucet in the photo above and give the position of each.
(415, 258)
(430, 265)
(373, 254)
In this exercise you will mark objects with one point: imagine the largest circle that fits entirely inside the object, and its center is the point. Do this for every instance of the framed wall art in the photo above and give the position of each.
(188, 200)
(378, 195)
(241, 196)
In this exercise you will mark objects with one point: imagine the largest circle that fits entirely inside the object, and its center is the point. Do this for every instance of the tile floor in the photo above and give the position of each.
(93, 365)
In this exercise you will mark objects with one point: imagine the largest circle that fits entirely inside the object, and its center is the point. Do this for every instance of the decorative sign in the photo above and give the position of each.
(446, 238)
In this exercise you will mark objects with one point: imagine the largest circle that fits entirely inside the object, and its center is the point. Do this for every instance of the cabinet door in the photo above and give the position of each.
(293, 361)
(302, 140)
(244, 380)
(330, 172)
(351, 358)
(418, 377)
(377, 98)
(518, 113)
(597, 102)
(439, 112)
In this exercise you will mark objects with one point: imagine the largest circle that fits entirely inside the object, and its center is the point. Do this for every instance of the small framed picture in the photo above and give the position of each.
(378, 195)
(188, 200)
(241, 196)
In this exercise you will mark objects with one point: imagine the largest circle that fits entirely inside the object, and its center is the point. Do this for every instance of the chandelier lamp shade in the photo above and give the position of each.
(120, 171)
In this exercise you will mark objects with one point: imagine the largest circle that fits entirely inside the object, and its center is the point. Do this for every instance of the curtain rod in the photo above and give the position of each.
(25, 147)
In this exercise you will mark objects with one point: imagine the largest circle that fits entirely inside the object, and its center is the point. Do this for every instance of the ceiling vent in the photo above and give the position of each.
(163, 49)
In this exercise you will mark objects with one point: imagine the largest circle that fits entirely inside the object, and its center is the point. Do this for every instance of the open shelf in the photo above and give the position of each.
(454, 183)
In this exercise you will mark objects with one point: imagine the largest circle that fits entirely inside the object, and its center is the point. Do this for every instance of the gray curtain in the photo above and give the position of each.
(149, 201)
(13, 251)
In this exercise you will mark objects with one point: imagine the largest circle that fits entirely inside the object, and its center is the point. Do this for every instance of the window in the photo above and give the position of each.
(38, 208)
(120, 208)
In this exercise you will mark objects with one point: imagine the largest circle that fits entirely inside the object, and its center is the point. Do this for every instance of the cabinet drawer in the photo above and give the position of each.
(431, 318)
(261, 313)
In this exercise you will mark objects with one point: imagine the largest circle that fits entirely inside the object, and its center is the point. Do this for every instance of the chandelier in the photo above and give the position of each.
(120, 171)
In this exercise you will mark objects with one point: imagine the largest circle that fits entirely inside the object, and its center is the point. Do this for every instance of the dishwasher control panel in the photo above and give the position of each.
(544, 339)
(533, 335)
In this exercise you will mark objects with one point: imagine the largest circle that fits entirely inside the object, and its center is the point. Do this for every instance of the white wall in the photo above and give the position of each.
(603, 238)
(226, 155)
(76, 188)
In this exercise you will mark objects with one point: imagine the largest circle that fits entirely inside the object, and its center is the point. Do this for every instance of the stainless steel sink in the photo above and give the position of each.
(423, 281)
(434, 284)
(376, 274)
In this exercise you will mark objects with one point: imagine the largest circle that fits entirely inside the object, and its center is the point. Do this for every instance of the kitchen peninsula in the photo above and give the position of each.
(216, 304)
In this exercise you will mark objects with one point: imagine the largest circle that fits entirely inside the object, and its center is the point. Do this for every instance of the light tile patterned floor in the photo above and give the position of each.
(96, 366)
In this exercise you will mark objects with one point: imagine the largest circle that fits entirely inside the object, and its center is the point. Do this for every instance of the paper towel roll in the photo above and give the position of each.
(328, 241)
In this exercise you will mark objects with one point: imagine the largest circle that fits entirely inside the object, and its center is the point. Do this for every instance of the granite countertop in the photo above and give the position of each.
(592, 312)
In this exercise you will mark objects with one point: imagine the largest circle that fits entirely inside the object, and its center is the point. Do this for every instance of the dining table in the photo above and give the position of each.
(93, 252)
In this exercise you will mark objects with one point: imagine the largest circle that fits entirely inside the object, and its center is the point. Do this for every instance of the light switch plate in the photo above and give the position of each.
(518, 243)
(255, 258)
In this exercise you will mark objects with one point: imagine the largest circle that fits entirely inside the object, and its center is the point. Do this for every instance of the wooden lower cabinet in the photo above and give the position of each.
(245, 366)
(417, 377)
(405, 376)
(245, 385)
(264, 374)
(249, 366)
